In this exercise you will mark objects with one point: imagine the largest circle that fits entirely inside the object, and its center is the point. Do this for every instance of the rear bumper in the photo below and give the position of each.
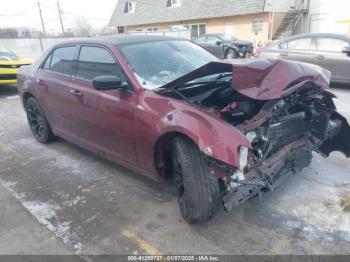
(8, 76)
(8, 81)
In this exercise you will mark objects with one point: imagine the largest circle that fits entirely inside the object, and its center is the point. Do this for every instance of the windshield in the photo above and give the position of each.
(158, 63)
(226, 37)
(7, 55)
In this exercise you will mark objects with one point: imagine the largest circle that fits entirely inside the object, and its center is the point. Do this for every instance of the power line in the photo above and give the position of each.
(46, 22)
(18, 14)
(74, 14)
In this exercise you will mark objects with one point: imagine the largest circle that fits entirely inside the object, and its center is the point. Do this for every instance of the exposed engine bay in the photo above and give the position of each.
(283, 132)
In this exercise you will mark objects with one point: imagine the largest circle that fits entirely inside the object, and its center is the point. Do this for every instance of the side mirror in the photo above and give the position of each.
(346, 50)
(218, 42)
(107, 82)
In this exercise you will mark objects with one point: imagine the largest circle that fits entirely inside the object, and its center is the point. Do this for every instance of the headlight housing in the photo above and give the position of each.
(243, 157)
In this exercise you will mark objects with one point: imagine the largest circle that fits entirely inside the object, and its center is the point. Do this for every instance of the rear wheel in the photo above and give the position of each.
(38, 122)
(198, 190)
(231, 54)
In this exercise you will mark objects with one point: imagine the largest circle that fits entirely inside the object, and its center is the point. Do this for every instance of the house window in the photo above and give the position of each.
(129, 7)
(173, 3)
(152, 29)
(198, 30)
(257, 25)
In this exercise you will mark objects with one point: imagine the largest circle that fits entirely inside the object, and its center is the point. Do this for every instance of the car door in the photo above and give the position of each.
(330, 56)
(214, 47)
(102, 120)
(298, 49)
(52, 80)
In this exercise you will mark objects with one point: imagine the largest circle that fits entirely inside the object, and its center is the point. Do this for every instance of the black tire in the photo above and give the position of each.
(38, 122)
(198, 190)
(231, 54)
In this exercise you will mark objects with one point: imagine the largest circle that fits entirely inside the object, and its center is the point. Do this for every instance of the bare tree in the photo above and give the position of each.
(9, 32)
(82, 26)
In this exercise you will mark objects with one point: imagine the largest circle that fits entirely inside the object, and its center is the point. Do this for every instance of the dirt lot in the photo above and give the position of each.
(61, 199)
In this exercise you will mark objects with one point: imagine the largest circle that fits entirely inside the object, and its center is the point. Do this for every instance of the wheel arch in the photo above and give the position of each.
(162, 152)
(26, 96)
(235, 49)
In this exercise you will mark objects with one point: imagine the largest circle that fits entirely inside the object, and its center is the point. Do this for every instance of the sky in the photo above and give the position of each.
(25, 13)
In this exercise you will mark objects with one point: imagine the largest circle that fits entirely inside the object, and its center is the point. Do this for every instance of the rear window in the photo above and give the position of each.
(328, 44)
(61, 60)
(300, 44)
(8, 55)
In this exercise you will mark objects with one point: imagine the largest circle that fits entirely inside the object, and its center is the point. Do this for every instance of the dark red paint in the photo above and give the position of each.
(131, 128)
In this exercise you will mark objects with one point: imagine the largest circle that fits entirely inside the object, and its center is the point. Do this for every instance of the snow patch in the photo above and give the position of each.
(45, 213)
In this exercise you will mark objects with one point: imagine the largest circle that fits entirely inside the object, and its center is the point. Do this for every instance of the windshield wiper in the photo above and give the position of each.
(223, 75)
(215, 81)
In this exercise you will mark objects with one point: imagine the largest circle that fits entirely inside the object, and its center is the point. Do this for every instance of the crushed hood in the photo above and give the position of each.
(261, 79)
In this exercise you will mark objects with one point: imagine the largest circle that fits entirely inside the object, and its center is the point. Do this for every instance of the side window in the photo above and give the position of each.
(284, 45)
(212, 39)
(328, 44)
(200, 39)
(46, 65)
(62, 60)
(300, 44)
(96, 61)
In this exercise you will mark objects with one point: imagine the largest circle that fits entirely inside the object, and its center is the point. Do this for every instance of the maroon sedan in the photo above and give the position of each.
(166, 107)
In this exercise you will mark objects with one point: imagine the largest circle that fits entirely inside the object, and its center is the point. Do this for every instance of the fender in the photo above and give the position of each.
(213, 137)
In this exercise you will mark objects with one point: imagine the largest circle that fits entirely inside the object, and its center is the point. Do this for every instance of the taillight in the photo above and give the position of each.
(257, 52)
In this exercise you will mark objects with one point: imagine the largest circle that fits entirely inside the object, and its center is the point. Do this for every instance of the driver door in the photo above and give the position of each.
(102, 120)
(215, 48)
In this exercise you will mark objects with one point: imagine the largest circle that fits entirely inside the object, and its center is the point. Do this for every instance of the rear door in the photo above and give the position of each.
(52, 79)
(102, 120)
(298, 49)
(329, 55)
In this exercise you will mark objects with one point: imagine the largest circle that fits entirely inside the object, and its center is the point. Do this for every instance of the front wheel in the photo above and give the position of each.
(38, 122)
(198, 190)
(231, 54)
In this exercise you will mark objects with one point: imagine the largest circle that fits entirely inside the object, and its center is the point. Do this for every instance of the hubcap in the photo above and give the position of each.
(230, 54)
(35, 119)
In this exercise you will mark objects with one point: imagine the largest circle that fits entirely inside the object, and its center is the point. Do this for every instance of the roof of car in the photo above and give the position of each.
(125, 39)
(337, 35)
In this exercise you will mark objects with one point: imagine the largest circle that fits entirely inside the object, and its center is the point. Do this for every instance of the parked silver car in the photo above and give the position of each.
(331, 51)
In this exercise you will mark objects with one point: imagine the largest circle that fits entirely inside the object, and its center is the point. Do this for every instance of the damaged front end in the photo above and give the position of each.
(282, 108)
(283, 135)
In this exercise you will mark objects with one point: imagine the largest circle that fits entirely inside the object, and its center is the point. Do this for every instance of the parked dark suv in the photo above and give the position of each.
(331, 51)
(225, 46)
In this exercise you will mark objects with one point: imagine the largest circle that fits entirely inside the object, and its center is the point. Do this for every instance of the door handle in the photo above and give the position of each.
(40, 81)
(319, 57)
(75, 92)
(283, 54)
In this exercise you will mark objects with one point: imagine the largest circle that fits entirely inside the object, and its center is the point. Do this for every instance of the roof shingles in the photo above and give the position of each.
(156, 11)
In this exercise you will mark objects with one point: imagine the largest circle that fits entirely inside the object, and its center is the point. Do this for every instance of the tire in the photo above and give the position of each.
(231, 54)
(38, 122)
(198, 190)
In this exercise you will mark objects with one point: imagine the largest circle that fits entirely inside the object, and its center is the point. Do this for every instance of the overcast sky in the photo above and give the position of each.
(24, 13)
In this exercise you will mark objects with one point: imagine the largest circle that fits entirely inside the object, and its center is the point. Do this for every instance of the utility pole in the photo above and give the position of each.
(60, 15)
(272, 19)
(41, 18)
